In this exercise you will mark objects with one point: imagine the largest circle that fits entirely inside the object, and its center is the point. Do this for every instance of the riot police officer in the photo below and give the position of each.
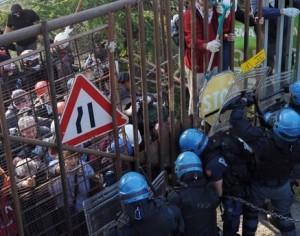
(294, 103)
(295, 96)
(276, 151)
(196, 199)
(227, 163)
(143, 214)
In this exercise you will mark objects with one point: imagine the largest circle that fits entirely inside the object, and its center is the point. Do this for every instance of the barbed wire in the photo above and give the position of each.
(268, 213)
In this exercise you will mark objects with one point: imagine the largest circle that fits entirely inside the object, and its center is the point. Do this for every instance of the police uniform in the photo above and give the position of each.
(198, 203)
(274, 162)
(148, 218)
(229, 159)
(145, 215)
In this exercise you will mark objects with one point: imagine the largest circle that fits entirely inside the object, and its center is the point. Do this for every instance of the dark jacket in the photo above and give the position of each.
(198, 203)
(274, 157)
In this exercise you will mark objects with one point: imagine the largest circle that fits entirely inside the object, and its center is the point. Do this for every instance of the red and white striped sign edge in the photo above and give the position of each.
(83, 98)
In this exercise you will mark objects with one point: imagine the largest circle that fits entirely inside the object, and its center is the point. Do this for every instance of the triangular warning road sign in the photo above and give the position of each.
(87, 114)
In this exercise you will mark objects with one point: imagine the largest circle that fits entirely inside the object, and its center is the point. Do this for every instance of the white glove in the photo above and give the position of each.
(290, 11)
(220, 10)
(213, 46)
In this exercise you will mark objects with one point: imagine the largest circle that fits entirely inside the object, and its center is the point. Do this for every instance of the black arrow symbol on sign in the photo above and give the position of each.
(78, 121)
(79, 117)
(91, 114)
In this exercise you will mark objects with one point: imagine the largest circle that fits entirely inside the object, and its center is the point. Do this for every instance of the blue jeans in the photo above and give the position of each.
(231, 216)
(281, 198)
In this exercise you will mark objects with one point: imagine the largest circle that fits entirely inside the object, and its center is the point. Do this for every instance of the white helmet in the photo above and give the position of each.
(31, 57)
(129, 134)
(31, 61)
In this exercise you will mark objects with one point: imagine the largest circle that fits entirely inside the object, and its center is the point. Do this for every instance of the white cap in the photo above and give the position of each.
(26, 122)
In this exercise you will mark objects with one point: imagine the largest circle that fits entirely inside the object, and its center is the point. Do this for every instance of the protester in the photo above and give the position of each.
(213, 45)
(20, 18)
(8, 224)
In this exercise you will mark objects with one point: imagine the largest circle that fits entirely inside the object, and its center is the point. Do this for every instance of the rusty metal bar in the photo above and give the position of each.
(288, 55)
(50, 74)
(163, 30)
(157, 49)
(246, 32)
(205, 31)
(11, 171)
(259, 36)
(77, 53)
(171, 84)
(220, 66)
(132, 86)
(113, 91)
(66, 20)
(232, 30)
(182, 71)
(298, 52)
(144, 87)
(266, 36)
(193, 59)
(279, 40)
(66, 147)
(72, 38)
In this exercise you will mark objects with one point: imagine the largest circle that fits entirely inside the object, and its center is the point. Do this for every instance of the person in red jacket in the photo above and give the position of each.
(212, 45)
(8, 224)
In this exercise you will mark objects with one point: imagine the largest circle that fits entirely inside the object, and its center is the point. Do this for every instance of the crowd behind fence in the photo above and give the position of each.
(49, 181)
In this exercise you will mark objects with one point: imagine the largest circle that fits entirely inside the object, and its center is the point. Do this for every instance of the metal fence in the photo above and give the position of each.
(49, 180)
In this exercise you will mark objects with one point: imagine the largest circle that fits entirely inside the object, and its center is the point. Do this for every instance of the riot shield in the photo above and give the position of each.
(103, 209)
(213, 95)
(160, 183)
(273, 92)
(243, 83)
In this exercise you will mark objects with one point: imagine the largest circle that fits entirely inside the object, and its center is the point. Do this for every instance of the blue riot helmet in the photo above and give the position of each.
(287, 125)
(133, 187)
(193, 140)
(122, 145)
(187, 162)
(295, 92)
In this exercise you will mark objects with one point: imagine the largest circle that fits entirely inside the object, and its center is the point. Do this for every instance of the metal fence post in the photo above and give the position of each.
(193, 59)
(171, 84)
(232, 30)
(246, 31)
(259, 37)
(279, 40)
(112, 79)
(50, 74)
(157, 53)
(11, 171)
(298, 52)
(266, 36)
(132, 86)
(144, 86)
